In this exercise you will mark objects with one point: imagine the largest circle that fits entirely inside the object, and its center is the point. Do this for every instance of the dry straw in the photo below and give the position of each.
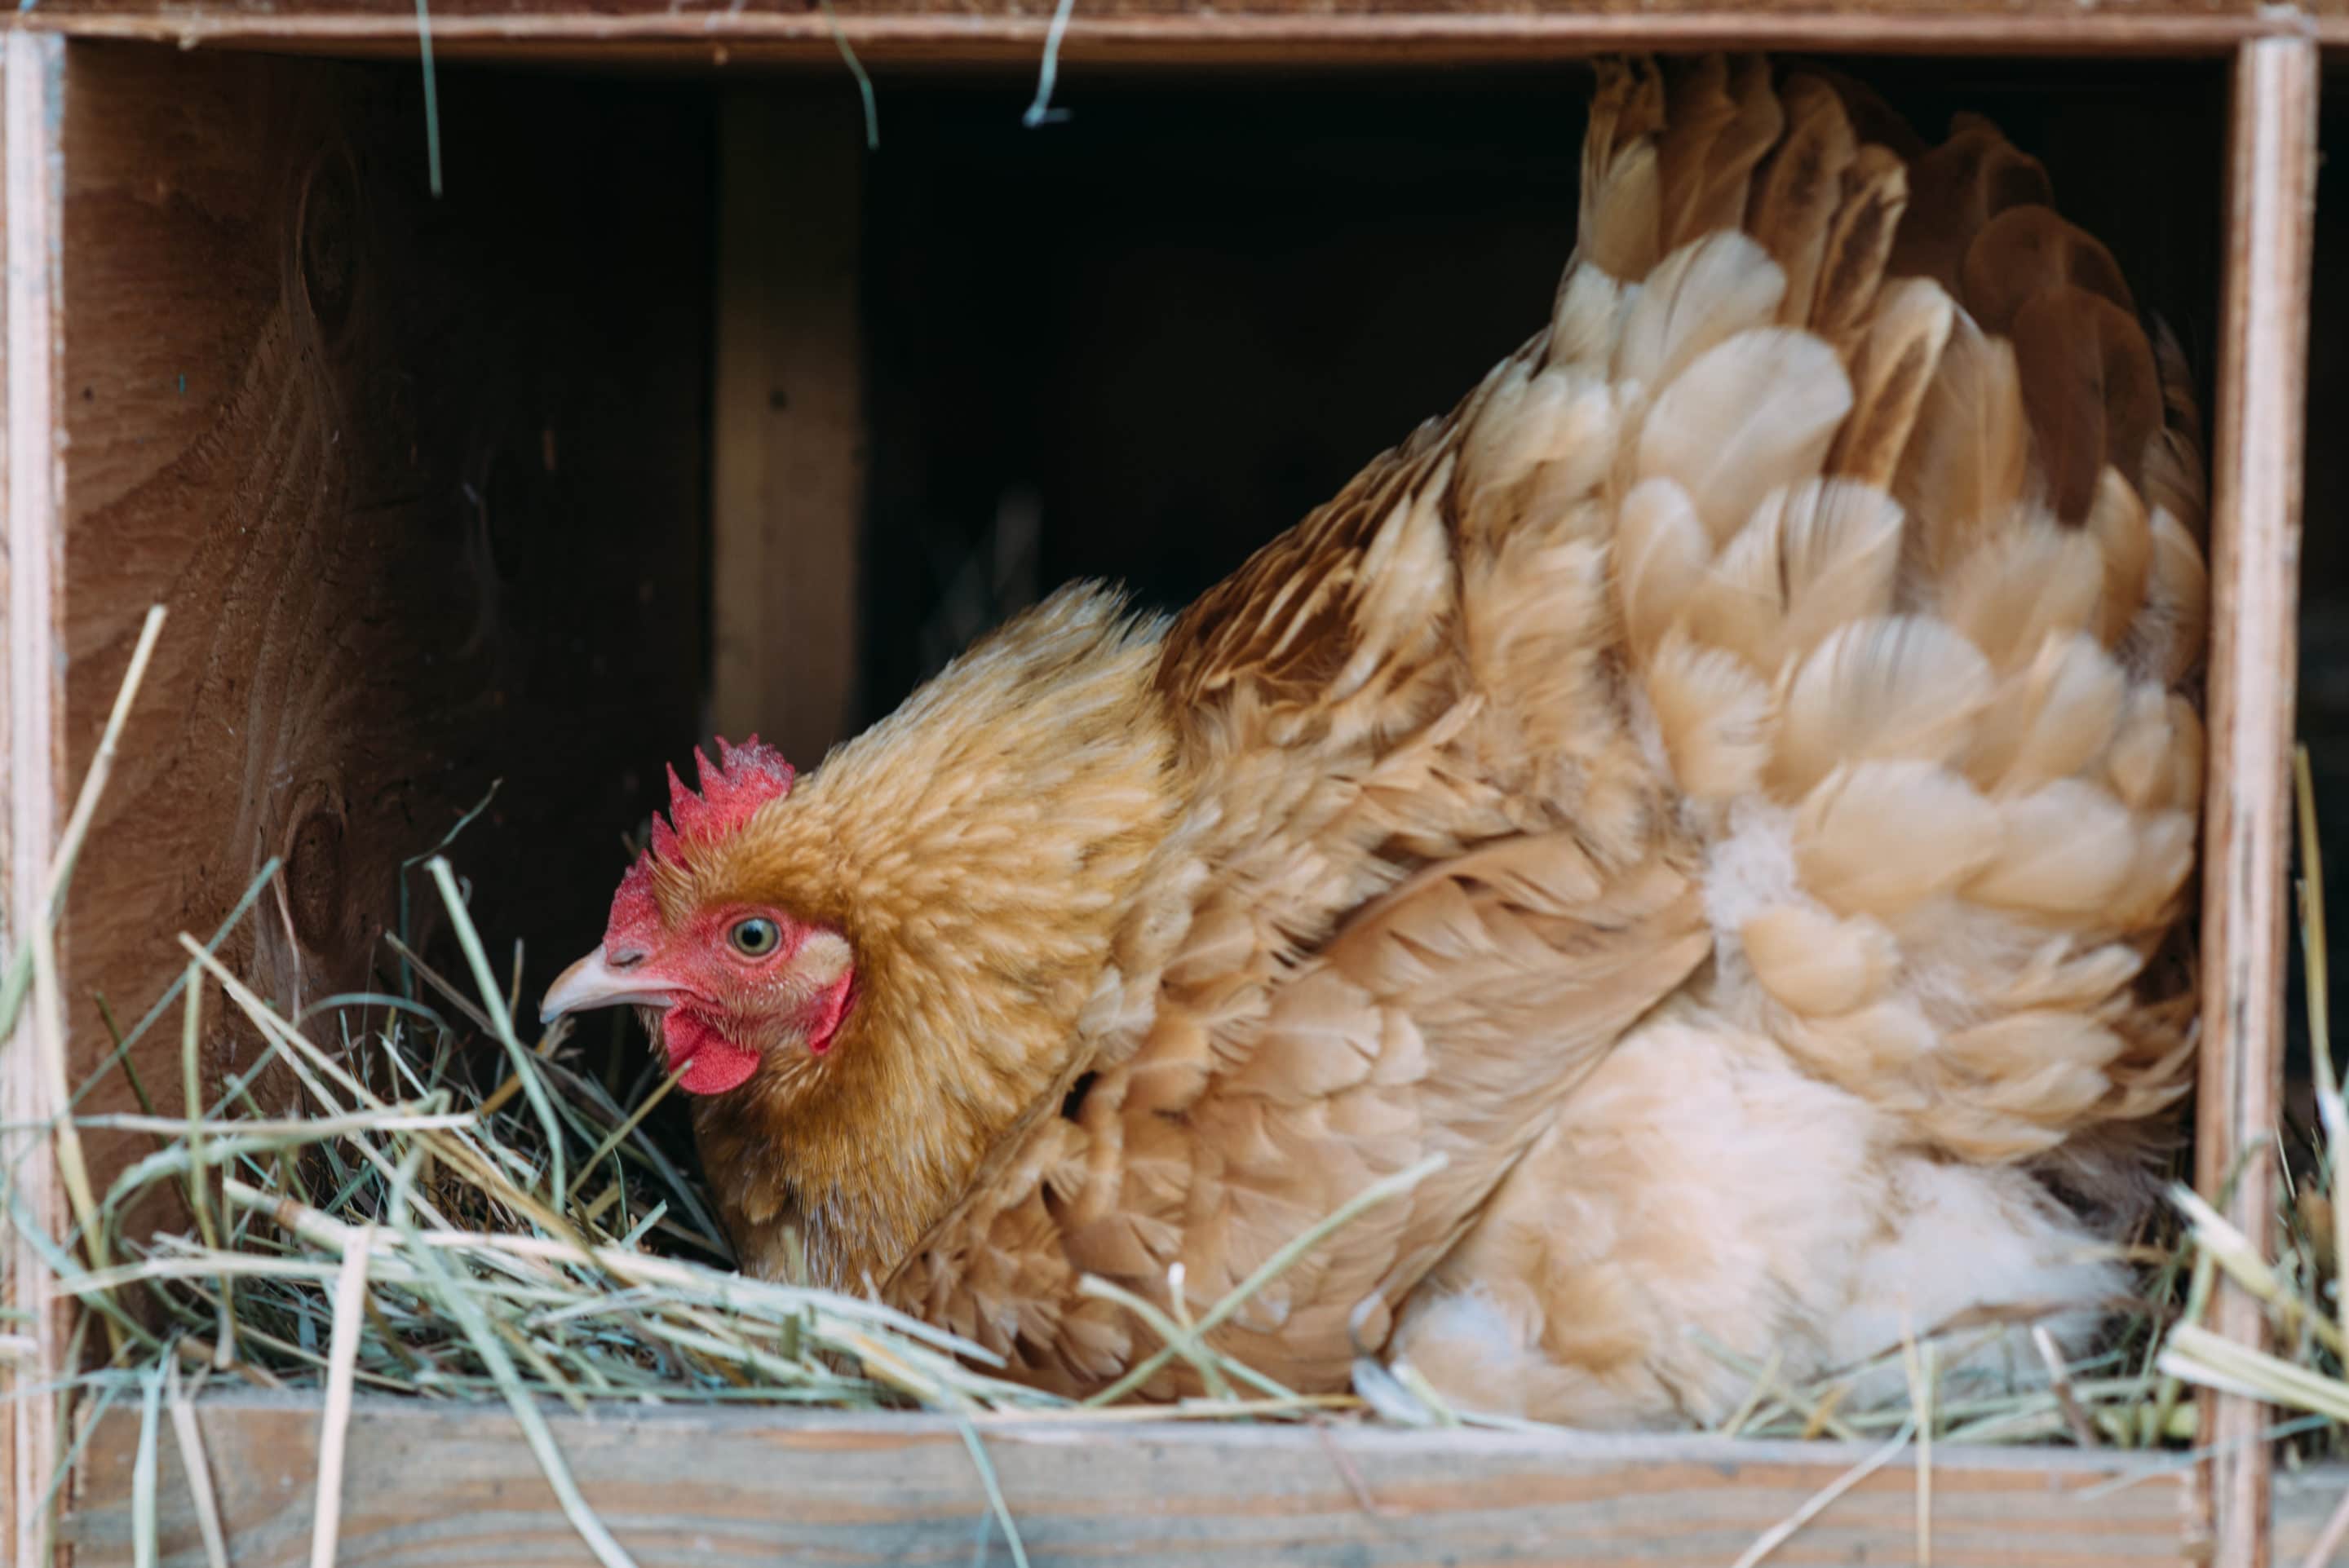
(399, 1231)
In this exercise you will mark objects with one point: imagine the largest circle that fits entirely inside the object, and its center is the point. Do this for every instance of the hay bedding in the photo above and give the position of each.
(417, 1231)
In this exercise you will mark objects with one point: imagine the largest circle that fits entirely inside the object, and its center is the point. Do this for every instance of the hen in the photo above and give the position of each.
(1729, 787)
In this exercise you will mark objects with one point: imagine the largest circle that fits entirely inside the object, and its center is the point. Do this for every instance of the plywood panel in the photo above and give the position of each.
(790, 443)
(426, 1481)
(420, 480)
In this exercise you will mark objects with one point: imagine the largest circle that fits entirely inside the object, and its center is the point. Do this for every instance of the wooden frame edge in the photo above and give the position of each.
(33, 90)
(34, 83)
(2255, 581)
(1301, 38)
(679, 1486)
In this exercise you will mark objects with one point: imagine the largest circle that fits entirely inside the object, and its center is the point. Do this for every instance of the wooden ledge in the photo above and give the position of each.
(438, 1482)
(1149, 32)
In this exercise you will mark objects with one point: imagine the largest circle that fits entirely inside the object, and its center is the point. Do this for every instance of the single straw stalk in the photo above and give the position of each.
(2332, 1109)
(35, 960)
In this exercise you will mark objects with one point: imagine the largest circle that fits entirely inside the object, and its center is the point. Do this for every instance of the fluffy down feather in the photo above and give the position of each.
(1728, 786)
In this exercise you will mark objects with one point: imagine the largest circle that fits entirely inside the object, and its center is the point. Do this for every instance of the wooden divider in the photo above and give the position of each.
(2255, 597)
(323, 315)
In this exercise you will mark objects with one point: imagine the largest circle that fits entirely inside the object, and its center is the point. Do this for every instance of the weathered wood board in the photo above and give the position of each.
(1285, 33)
(788, 442)
(2255, 583)
(420, 481)
(435, 1482)
(28, 701)
(2255, 602)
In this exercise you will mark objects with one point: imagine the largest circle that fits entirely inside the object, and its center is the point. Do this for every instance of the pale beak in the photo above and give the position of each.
(593, 983)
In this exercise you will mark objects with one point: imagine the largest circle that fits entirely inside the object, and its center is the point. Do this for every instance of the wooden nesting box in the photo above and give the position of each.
(528, 481)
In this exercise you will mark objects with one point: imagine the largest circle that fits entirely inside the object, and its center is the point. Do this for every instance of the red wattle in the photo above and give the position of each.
(830, 1008)
(717, 1064)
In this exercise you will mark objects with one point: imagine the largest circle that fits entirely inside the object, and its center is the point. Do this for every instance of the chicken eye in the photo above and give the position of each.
(755, 937)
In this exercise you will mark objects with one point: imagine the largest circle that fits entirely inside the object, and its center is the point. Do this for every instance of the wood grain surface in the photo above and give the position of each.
(441, 1483)
(788, 426)
(2246, 823)
(1288, 33)
(32, 779)
(420, 481)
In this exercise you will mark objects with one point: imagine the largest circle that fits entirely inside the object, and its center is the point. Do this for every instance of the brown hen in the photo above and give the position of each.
(1729, 787)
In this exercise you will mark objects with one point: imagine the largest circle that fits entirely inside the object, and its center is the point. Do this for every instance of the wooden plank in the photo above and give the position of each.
(420, 480)
(2117, 15)
(433, 1482)
(788, 500)
(2304, 1505)
(33, 704)
(1146, 32)
(13, 1267)
(2255, 551)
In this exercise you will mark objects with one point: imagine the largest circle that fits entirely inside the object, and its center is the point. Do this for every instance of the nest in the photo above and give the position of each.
(417, 1231)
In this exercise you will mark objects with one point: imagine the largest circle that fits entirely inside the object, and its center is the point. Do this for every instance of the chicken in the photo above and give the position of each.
(1729, 789)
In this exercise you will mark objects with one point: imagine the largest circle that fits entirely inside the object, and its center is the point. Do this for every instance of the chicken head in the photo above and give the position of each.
(725, 983)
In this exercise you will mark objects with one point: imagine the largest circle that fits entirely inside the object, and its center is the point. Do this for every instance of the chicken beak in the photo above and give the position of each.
(594, 983)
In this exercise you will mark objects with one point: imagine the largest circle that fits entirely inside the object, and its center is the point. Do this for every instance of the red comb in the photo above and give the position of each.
(746, 778)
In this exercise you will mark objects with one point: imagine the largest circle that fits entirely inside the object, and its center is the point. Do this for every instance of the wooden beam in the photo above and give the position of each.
(2255, 567)
(788, 493)
(1137, 32)
(35, 706)
(13, 1266)
(456, 1483)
